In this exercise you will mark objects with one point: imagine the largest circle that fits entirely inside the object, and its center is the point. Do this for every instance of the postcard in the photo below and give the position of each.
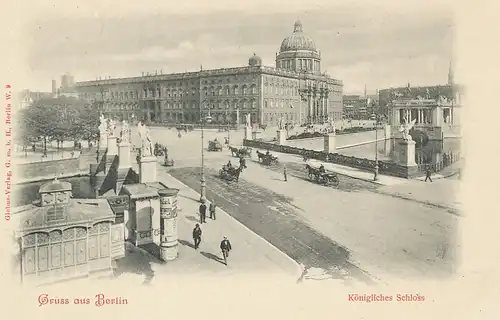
(239, 160)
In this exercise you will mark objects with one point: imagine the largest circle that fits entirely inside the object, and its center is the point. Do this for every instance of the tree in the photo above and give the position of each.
(59, 119)
(87, 126)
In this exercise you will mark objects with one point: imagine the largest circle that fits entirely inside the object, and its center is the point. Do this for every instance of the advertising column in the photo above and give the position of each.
(169, 245)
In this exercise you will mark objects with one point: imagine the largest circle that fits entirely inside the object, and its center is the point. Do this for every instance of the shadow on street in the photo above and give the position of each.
(186, 243)
(212, 256)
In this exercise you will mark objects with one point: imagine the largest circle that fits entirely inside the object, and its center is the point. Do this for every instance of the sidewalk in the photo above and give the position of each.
(250, 255)
(441, 193)
(446, 172)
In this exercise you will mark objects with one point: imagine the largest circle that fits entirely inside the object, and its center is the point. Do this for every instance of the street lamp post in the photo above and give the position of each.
(202, 180)
(227, 120)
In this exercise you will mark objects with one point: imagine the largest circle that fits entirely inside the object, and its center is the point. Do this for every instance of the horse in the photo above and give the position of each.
(313, 172)
(260, 155)
(234, 151)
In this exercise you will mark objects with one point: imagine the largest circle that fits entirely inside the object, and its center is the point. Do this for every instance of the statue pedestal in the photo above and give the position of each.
(147, 169)
(281, 137)
(407, 157)
(387, 131)
(103, 141)
(169, 243)
(256, 135)
(248, 133)
(329, 143)
(124, 155)
(112, 146)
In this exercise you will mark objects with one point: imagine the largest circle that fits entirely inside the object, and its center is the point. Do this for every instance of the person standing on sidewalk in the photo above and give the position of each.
(284, 173)
(197, 236)
(212, 207)
(428, 174)
(203, 212)
(225, 246)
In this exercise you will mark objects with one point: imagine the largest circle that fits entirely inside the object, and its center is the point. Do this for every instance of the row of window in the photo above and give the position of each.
(286, 88)
(230, 91)
(228, 79)
(271, 103)
(193, 105)
(300, 64)
(282, 90)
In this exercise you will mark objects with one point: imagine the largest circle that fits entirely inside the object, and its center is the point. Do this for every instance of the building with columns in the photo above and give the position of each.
(436, 109)
(295, 90)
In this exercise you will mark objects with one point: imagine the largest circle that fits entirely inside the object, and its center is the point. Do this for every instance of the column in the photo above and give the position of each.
(147, 169)
(418, 116)
(124, 155)
(112, 146)
(309, 106)
(169, 244)
(103, 140)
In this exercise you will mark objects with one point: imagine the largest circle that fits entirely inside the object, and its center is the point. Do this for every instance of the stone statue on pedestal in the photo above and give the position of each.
(332, 125)
(103, 124)
(146, 142)
(248, 121)
(406, 127)
(111, 127)
(125, 132)
(281, 126)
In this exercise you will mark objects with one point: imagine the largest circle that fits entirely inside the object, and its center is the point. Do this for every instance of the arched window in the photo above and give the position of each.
(244, 90)
(265, 104)
(236, 91)
(254, 90)
(254, 104)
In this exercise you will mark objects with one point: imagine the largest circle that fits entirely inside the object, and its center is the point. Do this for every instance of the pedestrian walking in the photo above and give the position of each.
(284, 174)
(212, 207)
(197, 236)
(225, 246)
(203, 212)
(428, 174)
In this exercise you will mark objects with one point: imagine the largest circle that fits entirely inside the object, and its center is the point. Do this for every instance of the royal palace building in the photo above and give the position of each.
(295, 90)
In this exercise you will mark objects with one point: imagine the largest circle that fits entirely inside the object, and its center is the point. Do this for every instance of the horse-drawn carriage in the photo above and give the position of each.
(168, 162)
(159, 150)
(322, 177)
(230, 173)
(214, 146)
(241, 153)
(267, 158)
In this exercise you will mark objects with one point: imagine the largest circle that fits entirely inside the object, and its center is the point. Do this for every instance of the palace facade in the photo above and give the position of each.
(295, 89)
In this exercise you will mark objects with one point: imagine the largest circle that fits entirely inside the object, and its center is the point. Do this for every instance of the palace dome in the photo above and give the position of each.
(254, 60)
(298, 40)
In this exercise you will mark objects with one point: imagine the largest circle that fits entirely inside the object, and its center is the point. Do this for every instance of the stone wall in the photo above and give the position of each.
(47, 168)
(387, 168)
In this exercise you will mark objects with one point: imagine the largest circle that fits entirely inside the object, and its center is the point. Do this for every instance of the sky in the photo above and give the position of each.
(380, 46)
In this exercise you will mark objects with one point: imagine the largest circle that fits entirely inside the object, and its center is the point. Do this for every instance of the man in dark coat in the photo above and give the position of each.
(225, 246)
(243, 163)
(212, 207)
(428, 174)
(203, 212)
(197, 236)
(284, 173)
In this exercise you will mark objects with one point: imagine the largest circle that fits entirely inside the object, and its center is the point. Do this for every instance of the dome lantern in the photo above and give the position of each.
(297, 27)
